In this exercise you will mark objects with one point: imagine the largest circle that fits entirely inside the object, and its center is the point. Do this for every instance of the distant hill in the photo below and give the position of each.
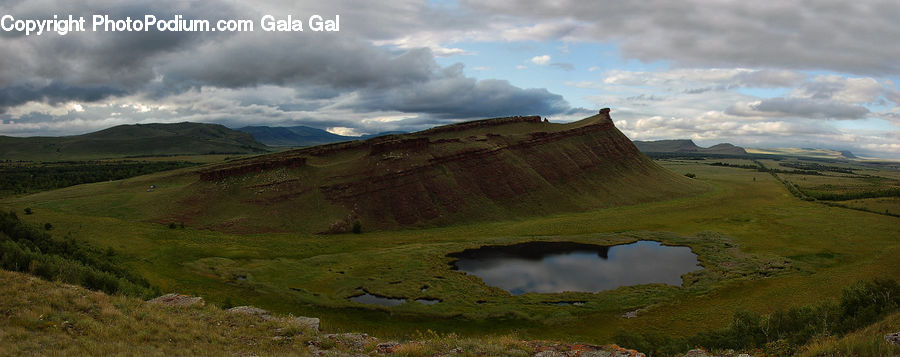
(848, 154)
(300, 136)
(132, 140)
(687, 146)
(805, 152)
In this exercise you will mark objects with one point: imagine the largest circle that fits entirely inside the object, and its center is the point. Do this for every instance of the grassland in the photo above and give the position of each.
(51, 318)
(785, 252)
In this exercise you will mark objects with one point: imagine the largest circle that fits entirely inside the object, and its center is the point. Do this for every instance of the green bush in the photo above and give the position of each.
(26, 249)
(784, 330)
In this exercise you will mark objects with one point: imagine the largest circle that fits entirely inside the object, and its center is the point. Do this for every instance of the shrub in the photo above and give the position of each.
(357, 227)
(784, 330)
(25, 248)
(690, 175)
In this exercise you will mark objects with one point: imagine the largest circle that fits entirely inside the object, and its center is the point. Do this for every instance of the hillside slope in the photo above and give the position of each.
(293, 136)
(486, 170)
(132, 140)
(300, 136)
(684, 145)
(482, 170)
(50, 318)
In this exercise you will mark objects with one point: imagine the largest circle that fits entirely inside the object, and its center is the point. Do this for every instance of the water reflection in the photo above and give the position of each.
(547, 267)
(428, 301)
(377, 300)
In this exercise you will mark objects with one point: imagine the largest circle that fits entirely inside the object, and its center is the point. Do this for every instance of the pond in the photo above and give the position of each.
(377, 300)
(549, 267)
(373, 299)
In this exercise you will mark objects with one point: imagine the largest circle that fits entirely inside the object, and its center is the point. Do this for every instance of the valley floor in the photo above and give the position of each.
(763, 248)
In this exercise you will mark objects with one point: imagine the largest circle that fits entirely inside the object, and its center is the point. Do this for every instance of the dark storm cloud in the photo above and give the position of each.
(53, 93)
(448, 93)
(330, 60)
(844, 36)
(412, 82)
(461, 97)
(801, 107)
(343, 69)
(89, 63)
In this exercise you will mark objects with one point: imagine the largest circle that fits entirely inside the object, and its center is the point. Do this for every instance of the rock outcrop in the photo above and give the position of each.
(178, 300)
(893, 338)
(302, 321)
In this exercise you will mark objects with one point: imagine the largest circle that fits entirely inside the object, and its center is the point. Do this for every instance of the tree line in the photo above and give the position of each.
(26, 248)
(19, 178)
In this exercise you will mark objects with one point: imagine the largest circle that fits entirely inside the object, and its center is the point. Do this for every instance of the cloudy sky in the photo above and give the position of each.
(753, 73)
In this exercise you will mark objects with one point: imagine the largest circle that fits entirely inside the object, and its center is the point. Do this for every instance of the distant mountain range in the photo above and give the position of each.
(133, 140)
(687, 146)
(805, 152)
(300, 136)
(199, 139)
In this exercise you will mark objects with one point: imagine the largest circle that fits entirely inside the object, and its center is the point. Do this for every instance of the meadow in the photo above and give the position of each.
(762, 249)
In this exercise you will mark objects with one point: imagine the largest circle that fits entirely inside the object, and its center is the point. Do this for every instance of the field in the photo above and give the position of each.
(762, 247)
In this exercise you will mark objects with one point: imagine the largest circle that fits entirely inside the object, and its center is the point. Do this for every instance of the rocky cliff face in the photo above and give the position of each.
(488, 169)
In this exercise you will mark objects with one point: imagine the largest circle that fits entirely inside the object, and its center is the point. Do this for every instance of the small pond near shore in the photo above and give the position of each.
(550, 267)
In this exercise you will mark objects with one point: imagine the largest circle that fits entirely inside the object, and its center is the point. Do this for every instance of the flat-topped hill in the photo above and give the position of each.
(498, 168)
(493, 169)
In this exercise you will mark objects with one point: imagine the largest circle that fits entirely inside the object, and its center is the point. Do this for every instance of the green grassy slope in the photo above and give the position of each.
(827, 248)
(50, 318)
(132, 140)
(297, 136)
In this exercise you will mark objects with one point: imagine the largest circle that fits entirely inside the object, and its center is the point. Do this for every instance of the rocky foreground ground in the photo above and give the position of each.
(40, 318)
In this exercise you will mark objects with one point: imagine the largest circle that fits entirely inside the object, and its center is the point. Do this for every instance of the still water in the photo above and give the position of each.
(549, 267)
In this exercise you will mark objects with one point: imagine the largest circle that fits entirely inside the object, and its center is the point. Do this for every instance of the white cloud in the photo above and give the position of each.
(343, 131)
(848, 37)
(738, 77)
(541, 60)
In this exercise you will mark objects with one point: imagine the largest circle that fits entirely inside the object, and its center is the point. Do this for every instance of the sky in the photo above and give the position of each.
(818, 74)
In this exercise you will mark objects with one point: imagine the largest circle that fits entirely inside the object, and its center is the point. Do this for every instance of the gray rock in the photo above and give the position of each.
(353, 340)
(253, 311)
(178, 300)
(696, 353)
(548, 353)
(386, 347)
(630, 314)
(311, 323)
(596, 354)
(893, 338)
